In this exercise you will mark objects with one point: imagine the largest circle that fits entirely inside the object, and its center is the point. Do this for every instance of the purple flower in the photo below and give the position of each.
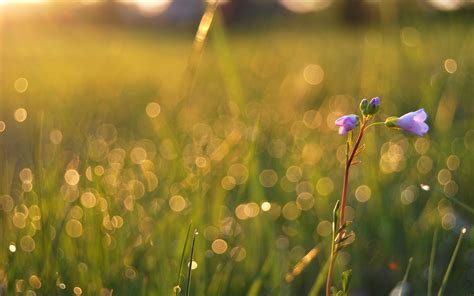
(347, 123)
(370, 108)
(413, 122)
(374, 105)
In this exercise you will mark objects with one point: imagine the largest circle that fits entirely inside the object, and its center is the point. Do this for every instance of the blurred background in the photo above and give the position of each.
(121, 123)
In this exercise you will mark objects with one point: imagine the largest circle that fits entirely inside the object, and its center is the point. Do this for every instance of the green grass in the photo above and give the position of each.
(247, 107)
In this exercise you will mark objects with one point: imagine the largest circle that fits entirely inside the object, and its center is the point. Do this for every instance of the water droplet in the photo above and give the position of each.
(20, 114)
(425, 187)
(21, 85)
(72, 177)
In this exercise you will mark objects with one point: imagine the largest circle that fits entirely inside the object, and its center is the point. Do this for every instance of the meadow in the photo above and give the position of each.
(111, 144)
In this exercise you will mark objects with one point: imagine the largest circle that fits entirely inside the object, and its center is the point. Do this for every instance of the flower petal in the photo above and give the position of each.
(420, 115)
(340, 121)
(342, 130)
(406, 121)
(424, 128)
(375, 101)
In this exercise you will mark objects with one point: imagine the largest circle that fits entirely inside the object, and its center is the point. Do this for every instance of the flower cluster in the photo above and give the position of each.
(413, 122)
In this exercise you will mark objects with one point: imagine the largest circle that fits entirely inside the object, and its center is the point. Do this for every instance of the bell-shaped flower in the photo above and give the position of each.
(413, 122)
(347, 123)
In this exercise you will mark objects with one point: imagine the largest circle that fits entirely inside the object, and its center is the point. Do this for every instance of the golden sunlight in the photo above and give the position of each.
(149, 7)
(6, 2)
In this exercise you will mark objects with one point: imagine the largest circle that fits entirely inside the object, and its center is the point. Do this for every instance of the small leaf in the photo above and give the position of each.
(356, 162)
(345, 241)
(342, 238)
(334, 216)
(360, 150)
(346, 280)
(350, 140)
(344, 226)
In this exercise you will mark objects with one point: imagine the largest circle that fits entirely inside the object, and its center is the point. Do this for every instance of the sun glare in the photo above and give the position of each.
(149, 7)
(305, 6)
(446, 4)
(3, 2)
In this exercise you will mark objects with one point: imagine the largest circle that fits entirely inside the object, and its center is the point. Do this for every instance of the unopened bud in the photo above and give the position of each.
(364, 104)
(374, 106)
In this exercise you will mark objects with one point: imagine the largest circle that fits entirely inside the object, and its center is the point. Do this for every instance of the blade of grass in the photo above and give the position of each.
(302, 263)
(465, 206)
(265, 270)
(405, 277)
(456, 201)
(320, 280)
(197, 48)
(188, 283)
(451, 263)
(226, 61)
(177, 289)
(432, 258)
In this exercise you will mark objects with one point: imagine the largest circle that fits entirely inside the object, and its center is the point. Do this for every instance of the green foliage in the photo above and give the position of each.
(252, 130)
(346, 281)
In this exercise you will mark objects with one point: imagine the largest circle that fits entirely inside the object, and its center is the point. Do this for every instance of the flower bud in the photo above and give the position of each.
(364, 104)
(374, 106)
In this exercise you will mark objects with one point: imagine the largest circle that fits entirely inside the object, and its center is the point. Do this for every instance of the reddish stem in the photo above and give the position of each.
(343, 205)
(346, 173)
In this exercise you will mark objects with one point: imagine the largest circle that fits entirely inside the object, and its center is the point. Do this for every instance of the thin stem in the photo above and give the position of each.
(177, 288)
(451, 263)
(188, 284)
(332, 260)
(331, 270)
(319, 282)
(342, 204)
(375, 123)
(405, 277)
(432, 258)
(197, 48)
(347, 169)
(465, 206)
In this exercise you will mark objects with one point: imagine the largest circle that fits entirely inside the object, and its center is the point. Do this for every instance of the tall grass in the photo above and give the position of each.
(442, 289)
(254, 134)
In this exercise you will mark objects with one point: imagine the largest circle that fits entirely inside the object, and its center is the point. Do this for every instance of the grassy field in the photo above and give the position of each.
(108, 163)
